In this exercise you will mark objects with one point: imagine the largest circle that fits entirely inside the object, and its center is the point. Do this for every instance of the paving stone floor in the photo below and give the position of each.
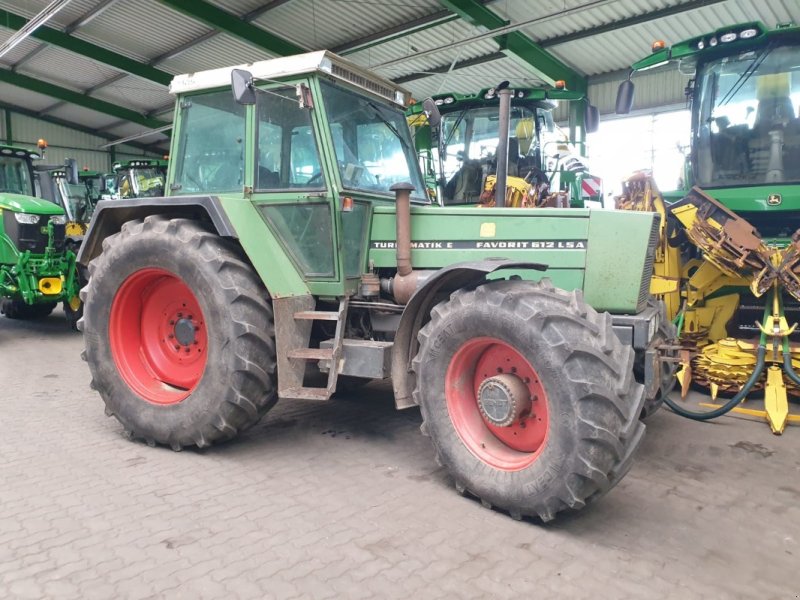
(345, 500)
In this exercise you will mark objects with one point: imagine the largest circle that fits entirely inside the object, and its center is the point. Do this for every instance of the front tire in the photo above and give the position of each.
(179, 334)
(573, 425)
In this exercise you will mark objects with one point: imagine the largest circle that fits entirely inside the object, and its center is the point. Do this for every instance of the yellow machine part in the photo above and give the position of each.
(50, 286)
(75, 229)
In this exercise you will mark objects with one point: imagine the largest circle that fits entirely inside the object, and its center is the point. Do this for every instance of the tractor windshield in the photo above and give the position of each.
(372, 142)
(470, 138)
(747, 127)
(210, 156)
(15, 176)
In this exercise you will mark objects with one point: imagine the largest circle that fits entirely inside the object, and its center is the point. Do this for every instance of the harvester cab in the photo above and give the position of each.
(728, 263)
(140, 178)
(298, 255)
(37, 271)
(460, 157)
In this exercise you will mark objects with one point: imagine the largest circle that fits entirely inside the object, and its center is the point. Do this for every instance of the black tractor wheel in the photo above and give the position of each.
(17, 309)
(528, 397)
(667, 334)
(179, 334)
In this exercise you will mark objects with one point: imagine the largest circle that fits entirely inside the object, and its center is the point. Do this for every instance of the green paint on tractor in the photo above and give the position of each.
(297, 253)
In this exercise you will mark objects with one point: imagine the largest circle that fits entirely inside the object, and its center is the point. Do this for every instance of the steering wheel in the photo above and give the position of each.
(313, 179)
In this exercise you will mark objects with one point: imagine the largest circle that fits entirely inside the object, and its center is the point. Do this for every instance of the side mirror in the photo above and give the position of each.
(624, 98)
(242, 86)
(71, 168)
(432, 112)
(591, 118)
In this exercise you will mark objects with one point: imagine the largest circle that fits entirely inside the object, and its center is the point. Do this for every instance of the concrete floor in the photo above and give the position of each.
(344, 500)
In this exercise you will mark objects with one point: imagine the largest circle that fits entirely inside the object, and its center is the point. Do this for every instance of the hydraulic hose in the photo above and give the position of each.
(730, 404)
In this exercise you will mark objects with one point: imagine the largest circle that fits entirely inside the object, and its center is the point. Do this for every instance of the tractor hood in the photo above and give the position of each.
(28, 204)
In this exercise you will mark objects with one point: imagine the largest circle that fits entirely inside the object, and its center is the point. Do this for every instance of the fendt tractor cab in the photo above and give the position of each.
(459, 158)
(298, 252)
(728, 265)
(36, 270)
(140, 178)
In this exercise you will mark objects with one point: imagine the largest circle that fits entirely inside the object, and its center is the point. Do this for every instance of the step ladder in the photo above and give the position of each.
(332, 355)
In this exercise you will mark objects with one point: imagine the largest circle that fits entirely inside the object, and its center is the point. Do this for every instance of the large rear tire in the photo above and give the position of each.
(528, 397)
(179, 334)
(17, 309)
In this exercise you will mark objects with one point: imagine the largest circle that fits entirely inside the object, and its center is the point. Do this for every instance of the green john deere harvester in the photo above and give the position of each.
(460, 157)
(36, 270)
(298, 251)
(728, 264)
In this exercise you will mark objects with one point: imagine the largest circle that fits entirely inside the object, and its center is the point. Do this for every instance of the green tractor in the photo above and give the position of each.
(298, 253)
(728, 263)
(139, 178)
(37, 271)
(460, 157)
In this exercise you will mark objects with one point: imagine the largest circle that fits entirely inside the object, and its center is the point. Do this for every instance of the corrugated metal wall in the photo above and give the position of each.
(64, 142)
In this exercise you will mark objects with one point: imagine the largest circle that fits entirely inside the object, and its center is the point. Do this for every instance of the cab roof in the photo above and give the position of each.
(322, 61)
(6, 150)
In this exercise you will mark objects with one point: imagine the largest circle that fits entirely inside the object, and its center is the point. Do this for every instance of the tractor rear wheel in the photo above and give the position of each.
(528, 397)
(179, 334)
(18, 309)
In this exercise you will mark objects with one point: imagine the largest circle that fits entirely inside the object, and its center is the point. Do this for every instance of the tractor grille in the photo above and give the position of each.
(647, 271)
(31, 237)
(751, 309)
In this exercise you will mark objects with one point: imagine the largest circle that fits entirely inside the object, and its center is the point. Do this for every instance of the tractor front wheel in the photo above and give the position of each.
(528, 397)
(179, 334)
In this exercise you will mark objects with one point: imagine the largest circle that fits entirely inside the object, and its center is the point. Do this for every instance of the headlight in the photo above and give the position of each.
(712, 42)
(727, 37)
(26, 219)
(59, 220)
(748, 33)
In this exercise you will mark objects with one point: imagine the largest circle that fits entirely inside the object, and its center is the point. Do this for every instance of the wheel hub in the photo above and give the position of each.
(502, 399)
(184, 332)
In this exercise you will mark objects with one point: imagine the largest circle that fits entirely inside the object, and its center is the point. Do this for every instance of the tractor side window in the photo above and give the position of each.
(287, 150)
(210, 155)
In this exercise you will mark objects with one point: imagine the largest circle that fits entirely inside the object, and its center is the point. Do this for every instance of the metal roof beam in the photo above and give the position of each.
(87, 49)
(442, 69)
(517, 45)
(392, 33)
(82, 128)
(222, 20)
(54, 91)
(628, 22)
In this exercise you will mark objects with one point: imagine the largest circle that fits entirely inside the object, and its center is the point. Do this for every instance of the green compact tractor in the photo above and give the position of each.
(298, 253)
(37, 271)
(728, 264)
(460, 157)
(139, 178)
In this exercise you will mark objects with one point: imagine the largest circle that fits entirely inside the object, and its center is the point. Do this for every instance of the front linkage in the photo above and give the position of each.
(42, 278)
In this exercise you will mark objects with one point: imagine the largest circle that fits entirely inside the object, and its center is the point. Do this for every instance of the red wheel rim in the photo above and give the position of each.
(508, 448)
(157, 335)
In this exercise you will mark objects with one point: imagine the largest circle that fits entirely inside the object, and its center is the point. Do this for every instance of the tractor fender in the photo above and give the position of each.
(109, 215)
(465, 275)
